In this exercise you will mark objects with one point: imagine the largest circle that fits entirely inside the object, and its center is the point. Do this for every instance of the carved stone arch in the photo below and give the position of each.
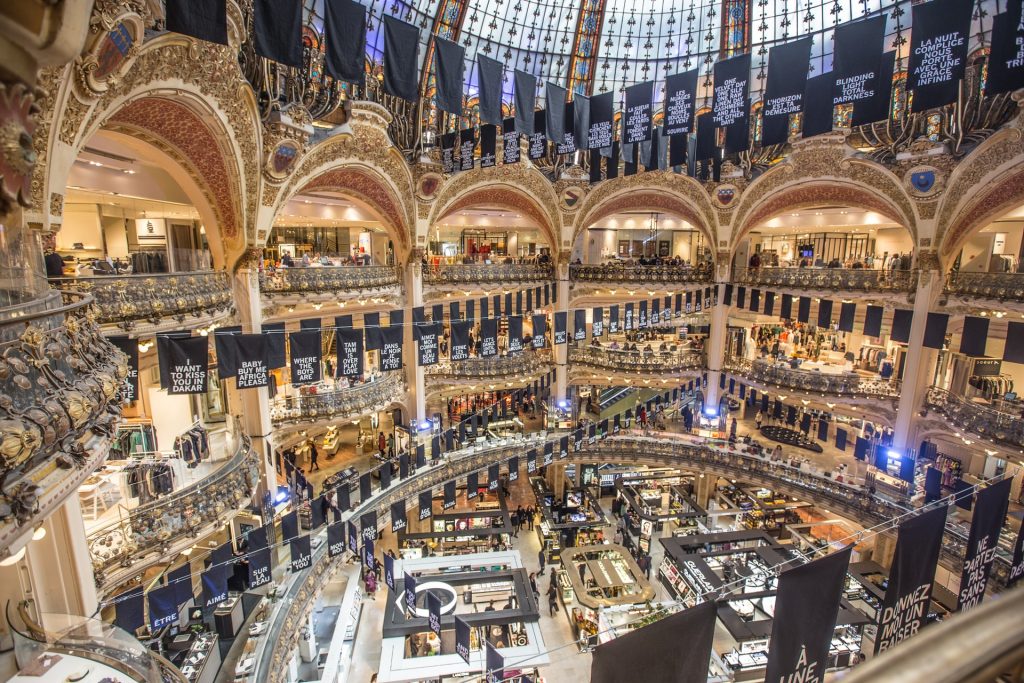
(190, 101)
(821, 171)
(514, 186)
(681, 196)
(985, 186)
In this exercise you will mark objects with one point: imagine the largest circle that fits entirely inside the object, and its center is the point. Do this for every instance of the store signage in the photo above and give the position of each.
(462, 639)
(335, 539)
(982, 543)
(301, 553)
(987, 367)
(938, 51)
(130, 348)
(680, 95)
(350, 351)
(183, 364)
(858, 50)
(731, 84)
(426, 505)
(151, 230)
(909, 592)
(305, 348)
(806, 607)
(700, 583)
(389, 571)
(391, 348)
(398, 520)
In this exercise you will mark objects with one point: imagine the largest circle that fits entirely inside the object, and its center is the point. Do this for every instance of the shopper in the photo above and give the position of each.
(391, 445)
(758, 419)
(540, 556)
(371, 583)
(552, 598)
(530, 514)
(515, 524)
(382, 444)
(533, 586)
(313, 456)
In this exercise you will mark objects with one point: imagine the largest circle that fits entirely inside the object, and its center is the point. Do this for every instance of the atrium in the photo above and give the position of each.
(437, 341)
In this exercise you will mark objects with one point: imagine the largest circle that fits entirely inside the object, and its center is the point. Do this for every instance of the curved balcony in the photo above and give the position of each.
(828, 279)
(527, 362)
(502, 274)
(342, 403)
(60, 385)
(168, 525)
(157, 302)
(997, 286)
(980, 419)
(286, 286)
(618, 273)
(618, 360)
(839, 383)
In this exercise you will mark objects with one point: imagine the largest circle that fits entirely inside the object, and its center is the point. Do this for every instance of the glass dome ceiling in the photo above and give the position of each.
(593, 46)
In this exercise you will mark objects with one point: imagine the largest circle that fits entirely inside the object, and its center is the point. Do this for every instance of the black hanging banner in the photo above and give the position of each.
(448, 67)
(525, 101)
(513, 468)
(601, 112)
(510, 151)
(857, 60)
(389, 572)
(561, 322)
(398, 520)
(825, 313)
(426, 506)
(409, 589)
(345, 38)
(460, 339)
(938, 51)
(704, 147)
(627, 323)
(335, 539)
(181, 578)
(515, 334)
(986, 523)
(472, 485)
(1006, 61)
(203, 19)
(277, 31)
(613, 319)
(935, 330)
(467, 143)
(493, 477)
(306, 348)
(488, 146)
(873, 321)
(276, 338)
(581, 121)
(877, 107)
(787, 78)
(448, 152)
(974, 338)
(537, 141)
(301, 553)
(163, 610)
(252, 368)
(130, 348)
(654, 649)
(568, 142)
(806, 607)
(215, 586)
(597, 322)
(554, 112)
(353, 538)
(489, 77)
(732, 78)
(350, 352)
(579, 324)
(449, 494)
(428, 351)
(818, 107)
(488, 337)
(1017, 568)
(901, 321)
(391, 348)
(540, 323)
(184, 364)
(637, 116)
(227, 352)
(847, 314)
(401, 45)
(495, 663)
(368, 525)
(128, 610)
(680, 95)
(908, 595)
(462, 639)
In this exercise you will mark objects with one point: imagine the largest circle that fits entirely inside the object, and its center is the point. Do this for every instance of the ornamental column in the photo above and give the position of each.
(560, 352)
(919, 368)
(253, 405)
(719, 322)
(412, 277)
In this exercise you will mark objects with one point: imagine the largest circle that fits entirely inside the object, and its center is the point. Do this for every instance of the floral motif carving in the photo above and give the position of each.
(18, 113)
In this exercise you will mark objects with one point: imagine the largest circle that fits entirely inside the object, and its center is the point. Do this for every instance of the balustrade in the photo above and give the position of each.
(831, 279)
(842, 382)
(979, 419)
(127, 300)
(636, 361)
(487, 273)
(623, 272)
(346, 402)
(999, 286)
(328, 280)
(526, 362)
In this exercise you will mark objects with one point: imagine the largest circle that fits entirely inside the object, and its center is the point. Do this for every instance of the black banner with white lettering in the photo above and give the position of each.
(488, 337)
(877, 107)
(462, 639)
(732, 80)
(638, 113)
(448, 152)
(401, 45)
(353, 538)
(938, 51)
(787, 77)
(537, 141)
(162, 608)
(398, 520)
(426, 506)
(183, 364)
(130, 348)
(515, 334)
(368, 525)
(561, 321)
(448, 67)
(350, 352)
(434, 613)
(987, 522)
(908, 595)
(489, 78)
(806, 607)
(579, 324)
(301, 553)
(460, 339)
(540, 325)
(306, 348)
(525, 101)
(215, 586)
(1006, 61)
(389, 572)
(252, 368)
(429, 334)
(655, 650)
(493, 475)
(680, 95)
(472, 485)
(467, 143)
(488, 146)
(449, 494)
(510, 152)
(513, 468)
(1017, 568)
(335, 539)
(601, 113)
(581, 121)
(391, 348)
(855, 65)
(495, 663)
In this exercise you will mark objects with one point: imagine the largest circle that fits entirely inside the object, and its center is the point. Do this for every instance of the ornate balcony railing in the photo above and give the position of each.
(621, 272)
(982, 420)
(167, 525)
(526, 363)
(830, 279)
(60, 386)
(999, 286)
(128, 300)
(487, 273)
(341, 403)
(329, 280)
(635, 361)
(845, 383)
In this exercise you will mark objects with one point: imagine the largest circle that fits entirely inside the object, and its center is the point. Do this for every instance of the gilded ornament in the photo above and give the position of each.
(18, 442)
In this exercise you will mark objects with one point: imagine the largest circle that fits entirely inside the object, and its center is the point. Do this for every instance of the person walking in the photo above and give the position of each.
(530, 514)
(758, 419)
(515, 524)
(552, 599)
(313, 456)
(540, 556)
(382, 444)
(533, 586)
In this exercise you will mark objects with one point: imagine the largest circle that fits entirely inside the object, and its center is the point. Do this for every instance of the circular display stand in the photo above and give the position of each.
(790, 437)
